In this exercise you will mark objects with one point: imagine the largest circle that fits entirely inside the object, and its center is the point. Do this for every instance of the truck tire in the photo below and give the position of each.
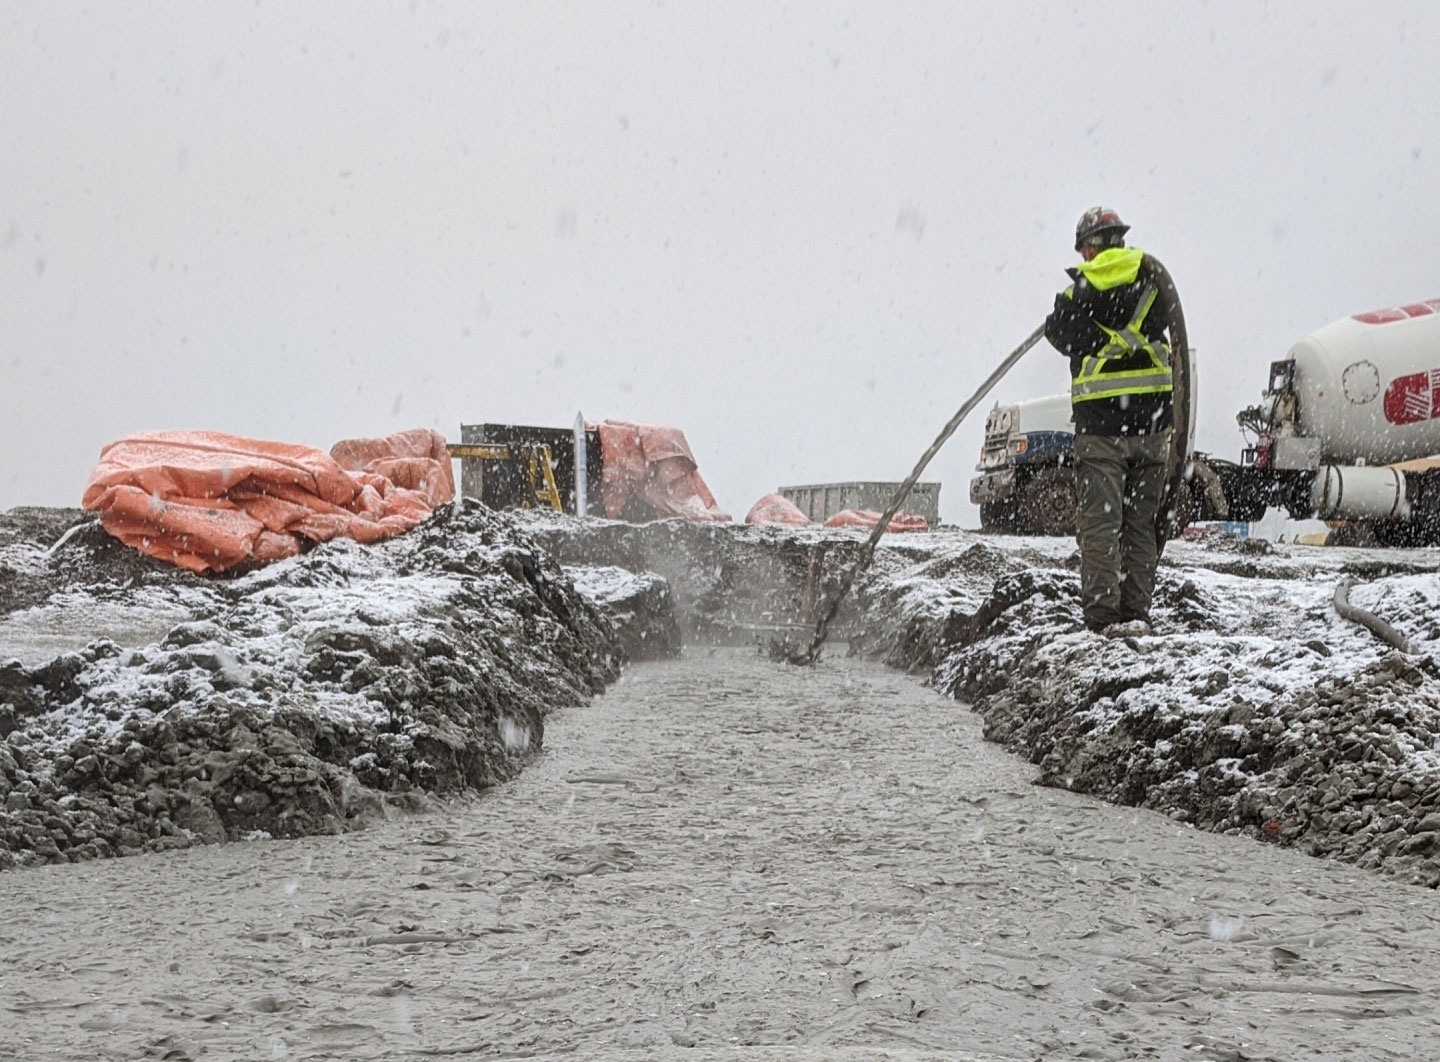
(998, 517)
(1396, 534)
(1180, 511)
(1045, 503)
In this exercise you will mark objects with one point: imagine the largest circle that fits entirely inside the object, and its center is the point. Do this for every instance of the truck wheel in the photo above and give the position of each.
(1396, 534)
(998, 517)
(1045, 503)
(1179, 513)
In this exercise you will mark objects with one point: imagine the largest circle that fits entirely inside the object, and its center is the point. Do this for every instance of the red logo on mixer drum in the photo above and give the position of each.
(1413, 398)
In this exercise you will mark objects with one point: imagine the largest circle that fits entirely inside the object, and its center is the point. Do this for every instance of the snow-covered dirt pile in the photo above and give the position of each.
(1254, 708)
(731, 583)
(303, 697)
(310, 694)
(638, 605)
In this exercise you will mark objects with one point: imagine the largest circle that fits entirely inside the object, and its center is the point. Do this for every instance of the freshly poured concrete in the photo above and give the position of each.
(725, 857)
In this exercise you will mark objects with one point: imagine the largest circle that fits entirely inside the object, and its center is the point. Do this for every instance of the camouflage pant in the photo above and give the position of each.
(1119, 481)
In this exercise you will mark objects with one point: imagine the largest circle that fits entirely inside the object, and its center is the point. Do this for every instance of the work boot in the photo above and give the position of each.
(1129, 629)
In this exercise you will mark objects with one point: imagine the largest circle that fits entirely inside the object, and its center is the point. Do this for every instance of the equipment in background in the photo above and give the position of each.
(1026, 484)
(1347, 432)
(513, 466)
(579, 456)
(1345, 420)
(621, 470)
(821, 501)
(512, 461)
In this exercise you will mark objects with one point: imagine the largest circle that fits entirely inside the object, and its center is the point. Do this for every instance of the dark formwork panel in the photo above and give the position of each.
(505, 485)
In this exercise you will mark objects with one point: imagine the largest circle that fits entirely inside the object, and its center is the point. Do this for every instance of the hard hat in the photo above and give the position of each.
(1097, 221)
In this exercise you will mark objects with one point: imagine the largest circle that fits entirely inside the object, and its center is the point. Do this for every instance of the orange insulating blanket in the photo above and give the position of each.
(647, 472)
(208, 501)
(776, 509)
(901, 521)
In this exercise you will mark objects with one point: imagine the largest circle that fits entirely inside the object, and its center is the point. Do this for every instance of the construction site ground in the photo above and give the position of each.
(472, 800)
(722, 857)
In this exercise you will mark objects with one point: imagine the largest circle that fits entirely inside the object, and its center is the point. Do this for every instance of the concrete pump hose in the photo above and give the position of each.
(782, 651)
(1356, 614)
(1182, 431)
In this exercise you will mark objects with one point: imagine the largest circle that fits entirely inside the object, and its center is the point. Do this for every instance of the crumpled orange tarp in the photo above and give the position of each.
(776, 509)
(207, 501)
(901, 521)
(647, 472)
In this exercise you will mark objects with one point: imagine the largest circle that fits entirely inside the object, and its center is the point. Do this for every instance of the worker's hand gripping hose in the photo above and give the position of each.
(781, 650)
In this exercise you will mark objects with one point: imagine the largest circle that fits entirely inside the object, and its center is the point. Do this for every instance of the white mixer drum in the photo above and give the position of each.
(1368, 386)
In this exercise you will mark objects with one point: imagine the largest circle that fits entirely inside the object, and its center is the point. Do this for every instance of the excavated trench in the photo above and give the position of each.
(1254, 710)
(352, 683)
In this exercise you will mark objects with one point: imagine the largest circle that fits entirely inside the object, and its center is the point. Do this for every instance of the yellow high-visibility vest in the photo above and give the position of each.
(1150, 376)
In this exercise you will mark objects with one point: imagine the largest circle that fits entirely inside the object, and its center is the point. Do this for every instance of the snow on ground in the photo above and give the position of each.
(1254, 708)
(638, 603)
(144, 707)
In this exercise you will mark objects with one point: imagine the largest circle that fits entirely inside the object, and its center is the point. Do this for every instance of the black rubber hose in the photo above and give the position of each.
(1356, 614)
(1172, 509)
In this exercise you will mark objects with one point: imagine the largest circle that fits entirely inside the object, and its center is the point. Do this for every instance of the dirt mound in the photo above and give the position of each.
(1254, 709)
(638, 604)
(46, 551)
(729, 581)
(913, 611)
(300, 698)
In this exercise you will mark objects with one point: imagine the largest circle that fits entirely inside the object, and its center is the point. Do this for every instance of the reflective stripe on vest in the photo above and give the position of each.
(1093, 381)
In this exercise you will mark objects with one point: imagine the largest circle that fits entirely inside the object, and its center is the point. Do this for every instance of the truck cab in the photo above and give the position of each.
(1026, 485)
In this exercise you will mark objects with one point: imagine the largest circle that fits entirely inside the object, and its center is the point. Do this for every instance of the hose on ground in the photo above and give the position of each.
(1367, 619)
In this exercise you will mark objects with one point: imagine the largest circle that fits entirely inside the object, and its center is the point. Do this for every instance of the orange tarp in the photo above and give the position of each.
(776, 509)
(901, 521)
(208, 501)
(648, 473)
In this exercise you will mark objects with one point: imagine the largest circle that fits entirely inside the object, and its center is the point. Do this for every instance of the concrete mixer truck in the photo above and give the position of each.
(1348, 421)
(1344, 433)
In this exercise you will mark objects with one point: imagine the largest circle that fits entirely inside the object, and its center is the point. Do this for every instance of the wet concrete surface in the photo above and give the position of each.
(726, 857)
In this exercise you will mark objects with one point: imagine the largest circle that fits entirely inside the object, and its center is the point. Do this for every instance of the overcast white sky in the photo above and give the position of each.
(801, 232)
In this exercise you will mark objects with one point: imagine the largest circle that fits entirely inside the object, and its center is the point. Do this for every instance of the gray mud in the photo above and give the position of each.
(721, 857)
(1254, 709)
(146, 708)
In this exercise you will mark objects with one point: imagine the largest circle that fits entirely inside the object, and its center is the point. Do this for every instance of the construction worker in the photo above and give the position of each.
(1112, 324)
